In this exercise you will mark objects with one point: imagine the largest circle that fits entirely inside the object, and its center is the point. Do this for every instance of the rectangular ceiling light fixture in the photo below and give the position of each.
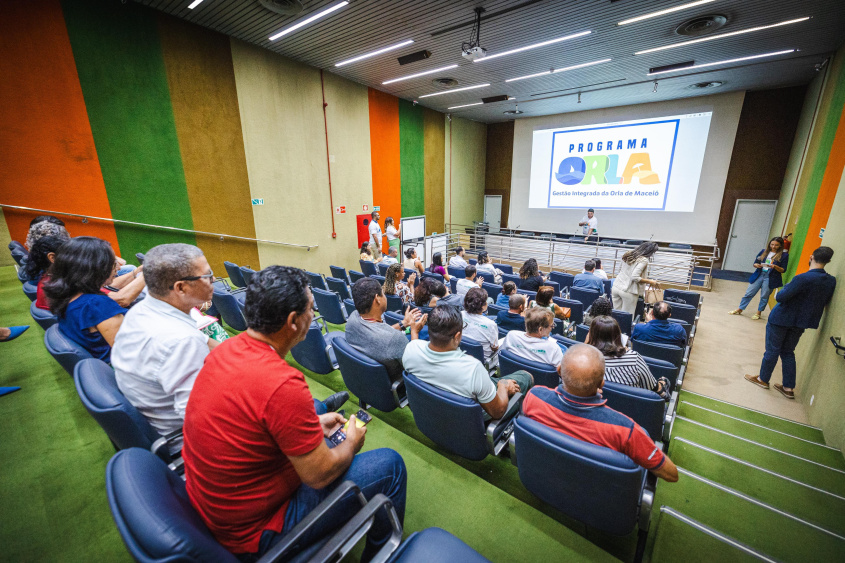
(534, 46)
(374, 53)
(556, 70)
(720, 36)
(666, 11)
(466, 105)
(669, 68)
(413, 57)
(728, 61)
(309, 19)
(455, 90)
(194, 4)
(423, 73)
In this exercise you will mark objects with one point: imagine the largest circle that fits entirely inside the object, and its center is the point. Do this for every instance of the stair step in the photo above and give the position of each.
(810, 472)
(774, 438)
(811, 504)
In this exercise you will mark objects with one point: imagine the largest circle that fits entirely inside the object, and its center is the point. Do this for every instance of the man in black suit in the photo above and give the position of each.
(800, 306)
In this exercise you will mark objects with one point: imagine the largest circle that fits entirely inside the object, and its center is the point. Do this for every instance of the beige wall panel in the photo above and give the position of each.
(467, 165)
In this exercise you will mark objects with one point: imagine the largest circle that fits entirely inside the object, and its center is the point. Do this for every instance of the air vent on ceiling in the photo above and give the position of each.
(705, 85)
(701, 25)
(447, 82)
(414, 57)
(283, 7)
(493, 99)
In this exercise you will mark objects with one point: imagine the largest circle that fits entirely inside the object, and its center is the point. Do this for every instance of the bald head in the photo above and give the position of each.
(582, 370)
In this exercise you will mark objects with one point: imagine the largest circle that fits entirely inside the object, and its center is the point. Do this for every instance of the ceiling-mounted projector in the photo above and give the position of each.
(472, 50)
(474, 53)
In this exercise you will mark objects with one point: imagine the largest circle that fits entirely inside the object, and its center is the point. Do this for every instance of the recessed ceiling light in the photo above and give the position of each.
(374, 53)
(666, 11)
(724, 62)
(309, 19)
(455, 90)
(432, 71)
(466, 105)
(194, 4)
(555, 70)
(721, 35)
(534, 46)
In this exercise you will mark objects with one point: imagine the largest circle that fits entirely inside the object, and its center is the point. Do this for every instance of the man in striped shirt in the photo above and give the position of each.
(577, 409)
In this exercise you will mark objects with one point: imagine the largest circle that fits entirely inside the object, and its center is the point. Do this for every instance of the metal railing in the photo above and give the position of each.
(221, 236)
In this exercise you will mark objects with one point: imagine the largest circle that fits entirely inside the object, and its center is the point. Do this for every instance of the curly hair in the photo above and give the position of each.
(45, 228)
(601, 306)
(646, 250)
(39, 262)
(475, 300)
(529, 269)
(390, 278)
(273, 294)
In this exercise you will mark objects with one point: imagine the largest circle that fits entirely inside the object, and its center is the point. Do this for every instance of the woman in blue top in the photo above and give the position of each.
(770, 264)
(87, 316)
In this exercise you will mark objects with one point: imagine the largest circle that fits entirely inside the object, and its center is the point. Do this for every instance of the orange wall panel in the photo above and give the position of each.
(384, 153)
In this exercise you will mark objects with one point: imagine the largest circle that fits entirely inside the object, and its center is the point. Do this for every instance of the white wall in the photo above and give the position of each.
(698, 226)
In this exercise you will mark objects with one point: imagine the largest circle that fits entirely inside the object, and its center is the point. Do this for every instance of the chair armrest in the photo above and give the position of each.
(686, 354)
(165, 441)
(669, 418)
(506, 422)
(512, 448)
(291, 539)
(400, 395)
(345, 539)
(320, 320)
(646, 503)
(680, 382)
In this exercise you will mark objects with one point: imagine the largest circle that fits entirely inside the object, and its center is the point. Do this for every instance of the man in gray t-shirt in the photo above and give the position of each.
(367, 332)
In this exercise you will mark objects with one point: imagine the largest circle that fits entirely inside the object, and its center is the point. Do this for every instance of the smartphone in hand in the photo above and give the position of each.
(362, 418)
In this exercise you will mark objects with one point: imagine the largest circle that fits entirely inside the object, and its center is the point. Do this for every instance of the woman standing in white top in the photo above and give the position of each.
(392, 233)
(630, 283)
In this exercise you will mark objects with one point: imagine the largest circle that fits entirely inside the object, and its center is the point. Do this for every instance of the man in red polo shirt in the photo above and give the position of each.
(577, 409)
(256, 459)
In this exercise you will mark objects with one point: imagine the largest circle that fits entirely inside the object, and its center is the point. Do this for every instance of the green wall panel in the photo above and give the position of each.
(411, 159)
(121, 69)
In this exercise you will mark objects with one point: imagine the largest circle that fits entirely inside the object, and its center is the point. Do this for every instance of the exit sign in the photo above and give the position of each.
(258, 201)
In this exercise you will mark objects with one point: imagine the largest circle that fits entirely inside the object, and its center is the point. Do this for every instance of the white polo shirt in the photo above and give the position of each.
(591, 224)
(375, 233)
(545, 351)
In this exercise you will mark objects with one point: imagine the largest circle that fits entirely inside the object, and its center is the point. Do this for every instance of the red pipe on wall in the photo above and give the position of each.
(328, 160)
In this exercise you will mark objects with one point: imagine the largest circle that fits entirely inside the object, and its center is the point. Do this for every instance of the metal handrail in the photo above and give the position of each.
(222, 236)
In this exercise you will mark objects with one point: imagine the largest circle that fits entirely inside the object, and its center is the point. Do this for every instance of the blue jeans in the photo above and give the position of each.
(761, 284)
(320, 407)
(780, 342)
(376, 471)
(125, 270)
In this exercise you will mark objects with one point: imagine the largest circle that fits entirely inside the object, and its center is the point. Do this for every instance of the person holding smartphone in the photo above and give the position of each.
(769, 264)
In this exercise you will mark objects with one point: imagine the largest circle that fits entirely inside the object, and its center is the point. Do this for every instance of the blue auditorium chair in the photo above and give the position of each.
(30, 289)
(563, 279)
(157, 522)
(378, 278)
(434, 275)
(585, 296)
(644, 407)
(530, 295)
(392, 317)
(316, 352)
(22, 277)
(453, 284)
(662, 368)
(139, 256)
(493, 290)
(624, 319)
(668, 352)
(610, 242)
(544, 374)
(691, 297)
(680, 246)
(230, 308)
(246, 274)
(454, 272)
(492, 308)
(122, 423)
(554, 285)
(684, 312)
(576, 314)
(368, 268)
(394, 303)
(316, 281)
(234, 273)
(382, 269)
(19, 254)
(340, 273)
(473, 348)
(408, 272)
(511, 277)
(690, 329)
(597, 486)
(367, 379)
(505, 268)
(43, 317)
(634, 242)
(349, 305)
(565, 342)
(355, 276)
(457, 423)
(473, 261)
(329, 305)
(338, 285)
(64, 350)
(608, 285)
(581, 331)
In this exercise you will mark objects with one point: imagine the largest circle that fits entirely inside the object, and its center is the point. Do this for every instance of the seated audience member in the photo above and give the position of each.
(598, 271)
(514, 317)
(256, 459)
(393, 284)
(391, 257)
(367, 254)
(125, 289)
(478, 326)
(411, 261)
(485, 268)
(588, 280)
(41, 258)
(622, 365)
(471, 281)
(659, 329)
(508, 290)
(578, 409)
(459, 259)
(367, 332)
(545, 293)
(436, 266)
(82, 267)
(441, 363)
(602, 306)
(43, 226)
(530, 275)
(534, 344)
(424, 293)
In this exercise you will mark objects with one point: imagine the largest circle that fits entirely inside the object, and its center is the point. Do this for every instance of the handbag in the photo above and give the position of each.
(652, 295)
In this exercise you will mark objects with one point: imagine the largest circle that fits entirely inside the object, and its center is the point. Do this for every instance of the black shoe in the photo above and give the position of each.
(334, 402)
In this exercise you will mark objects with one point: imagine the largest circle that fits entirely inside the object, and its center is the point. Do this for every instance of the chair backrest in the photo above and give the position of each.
(43, 317)
(338, 272)
(98, 391)
(585, 296)
(624, 319)
(369, 268)
(394, 303)
(564, 341)
(608, 285)
(645, 407)
(329, 305)
(493, 309)
(691, 297)
(349, 305)
(408, 272)
(473, 348)
(554, 285)
(544, 374)
(229, 308)
(662, 368)
(338, 285)
(634, 242)
(453, 422)
(30, 290)
(576, 314)
(668, 352)
(382, 269)
(530, 294)
(562, 278)
(355, 276)
(316, 281)
(435, 275)
(511, 277)
(581, 331)
(592, 484)
(472, 262)
(153, 514)
(312, 353)
(610, 241)
(454, 272)
(13, 245)
(453, 283)
(65, 351)
(139, 256)
(246, 274)
(234, 273)
(378, 278)
(687, 326)
(680, 246)
(364, 377)
(392, 317)
(505, 268)
(493, 290)
(684, 312)
(19, 255)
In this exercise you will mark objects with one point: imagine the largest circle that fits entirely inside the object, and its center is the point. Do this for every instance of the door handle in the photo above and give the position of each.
(733, 236)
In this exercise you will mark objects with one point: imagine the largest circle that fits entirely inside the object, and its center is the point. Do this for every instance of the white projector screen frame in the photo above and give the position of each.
(412, 228)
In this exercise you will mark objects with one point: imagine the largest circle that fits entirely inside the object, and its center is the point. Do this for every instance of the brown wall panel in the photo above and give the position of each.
(434, 141)
(499, 164)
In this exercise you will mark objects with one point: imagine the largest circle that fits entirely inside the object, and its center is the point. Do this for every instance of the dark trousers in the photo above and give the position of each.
(780, 342)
